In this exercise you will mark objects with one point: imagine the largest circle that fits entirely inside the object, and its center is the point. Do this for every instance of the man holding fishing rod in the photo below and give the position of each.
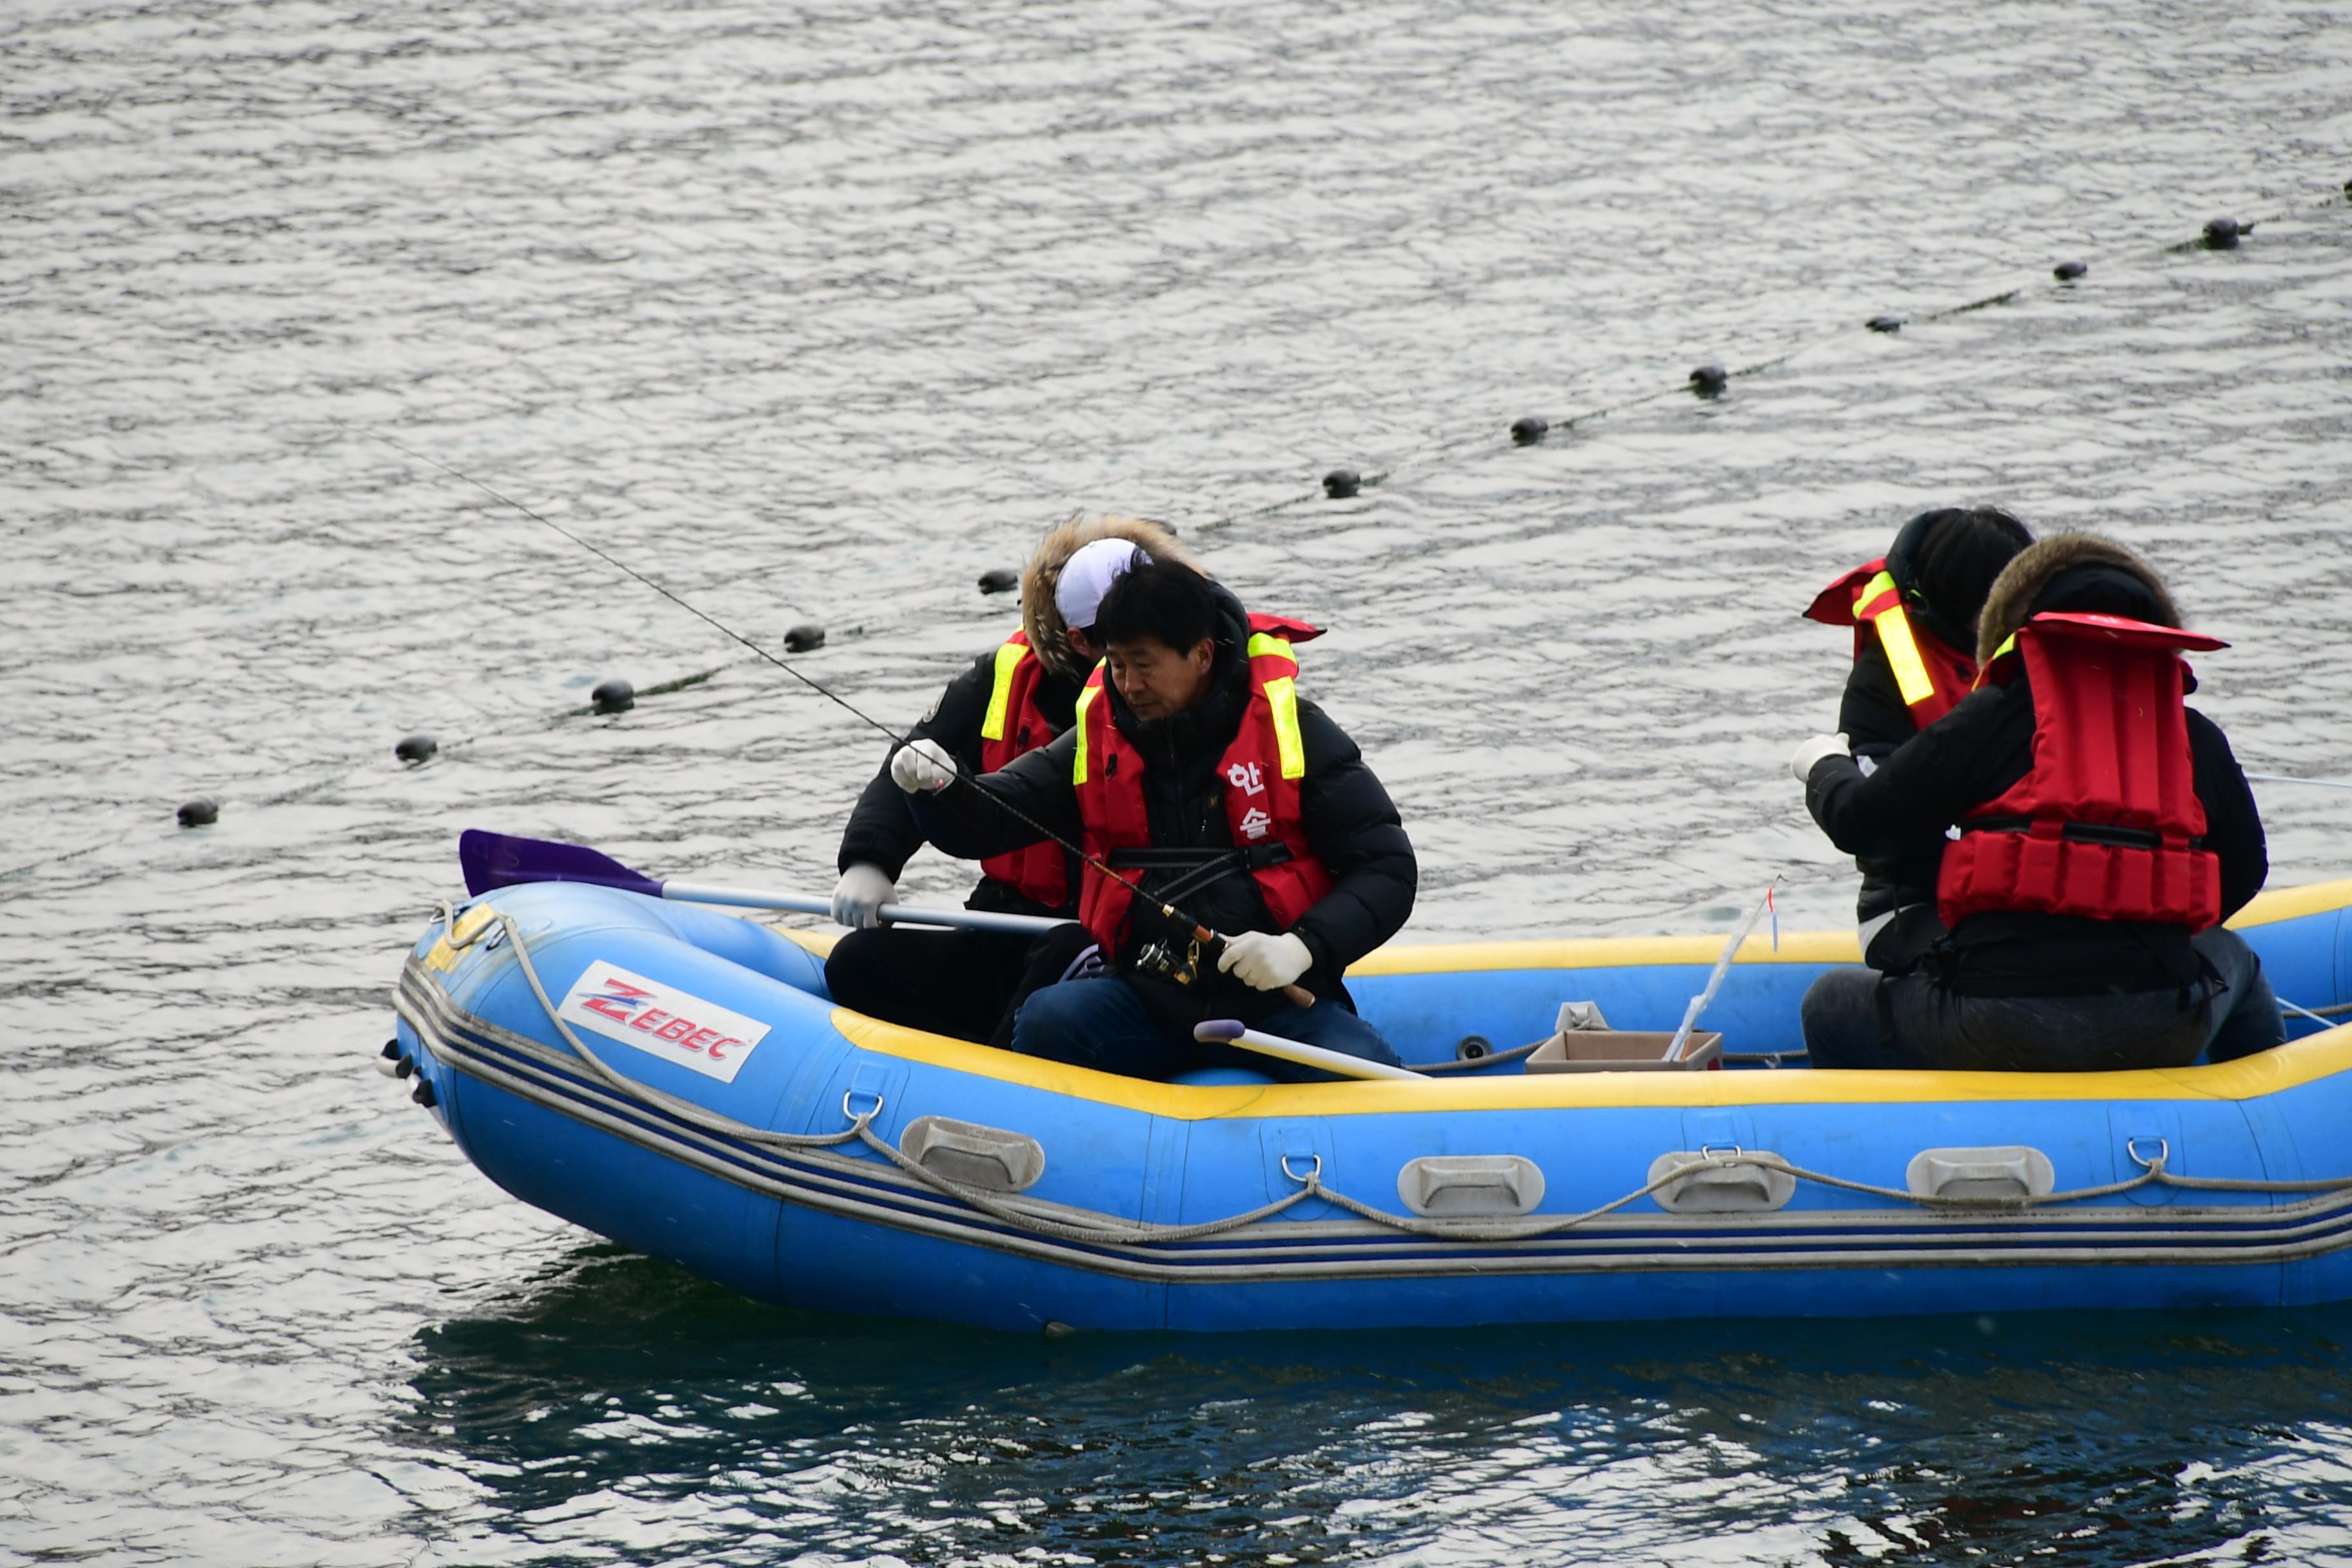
(1240, 854)
(1014, 699)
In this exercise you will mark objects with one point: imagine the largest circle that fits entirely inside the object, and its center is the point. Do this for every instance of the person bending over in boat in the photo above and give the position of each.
(2104, 831)
(1914, 614)
(1195, 768)
(1014, 699)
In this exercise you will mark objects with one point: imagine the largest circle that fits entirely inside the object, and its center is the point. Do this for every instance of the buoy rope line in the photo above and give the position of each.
(1094, 1228)
(1464, 445)
(1710, 380)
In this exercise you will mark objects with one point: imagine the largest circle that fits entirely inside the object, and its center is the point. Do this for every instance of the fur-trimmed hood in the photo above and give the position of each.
(2017, 593)
(1039, 616)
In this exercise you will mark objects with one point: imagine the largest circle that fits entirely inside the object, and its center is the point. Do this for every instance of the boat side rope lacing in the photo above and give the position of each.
(1112, 1229)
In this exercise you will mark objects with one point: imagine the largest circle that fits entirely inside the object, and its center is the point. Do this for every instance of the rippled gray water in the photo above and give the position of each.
(815, 313)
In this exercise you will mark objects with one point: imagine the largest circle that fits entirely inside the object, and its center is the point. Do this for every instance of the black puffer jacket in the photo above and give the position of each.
(882, 832)
(1348, 819)
(1981, 748)
(1877, 723)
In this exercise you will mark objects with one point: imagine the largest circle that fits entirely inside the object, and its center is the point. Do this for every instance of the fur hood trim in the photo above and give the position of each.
(1040, 618)
(2021, 582)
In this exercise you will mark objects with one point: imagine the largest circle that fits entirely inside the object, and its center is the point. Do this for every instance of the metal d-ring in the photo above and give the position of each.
(1311, 1177)
(849, 1094)
(1708, 1150)
(2163, 1152)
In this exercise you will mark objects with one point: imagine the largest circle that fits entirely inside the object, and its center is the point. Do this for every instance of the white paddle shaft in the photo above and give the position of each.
(896, 914)
(1304, 1055)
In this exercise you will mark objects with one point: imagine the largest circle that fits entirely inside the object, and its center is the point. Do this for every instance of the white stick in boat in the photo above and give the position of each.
(1715, 981)
(1231, 1031)
(896, 914)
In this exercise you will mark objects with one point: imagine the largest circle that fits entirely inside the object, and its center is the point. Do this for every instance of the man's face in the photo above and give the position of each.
(1157, 679)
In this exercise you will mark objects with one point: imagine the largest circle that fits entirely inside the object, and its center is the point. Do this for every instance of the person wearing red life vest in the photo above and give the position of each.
(1013, 700)
(2104, 831)
(1914, 614)
(1197, 770)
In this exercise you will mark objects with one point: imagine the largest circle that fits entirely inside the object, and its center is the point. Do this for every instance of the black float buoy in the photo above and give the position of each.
(1000, 580)
(416, 750)
(802, 639)
(2067, 271)
(198, 813)
(1528, 429)
(422, 1093)
(1341, 483)
(2221, 232)
(1709, 380)
(1885, 323)
(613, 696)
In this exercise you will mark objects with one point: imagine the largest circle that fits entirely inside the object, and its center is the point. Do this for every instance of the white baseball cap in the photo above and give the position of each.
(1087, 577)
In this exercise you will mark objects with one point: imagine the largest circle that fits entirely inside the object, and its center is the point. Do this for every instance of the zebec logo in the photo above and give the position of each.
(662, 1021)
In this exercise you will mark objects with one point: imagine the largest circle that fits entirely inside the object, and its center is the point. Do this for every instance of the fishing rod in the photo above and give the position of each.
(1297, 995)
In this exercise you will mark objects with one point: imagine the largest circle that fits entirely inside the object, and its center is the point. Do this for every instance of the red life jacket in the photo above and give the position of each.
(1261, 769)
(2107, 824)
(1013, 725)
(1930, 673)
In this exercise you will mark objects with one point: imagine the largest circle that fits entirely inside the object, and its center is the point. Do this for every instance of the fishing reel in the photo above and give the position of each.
(1158, 958)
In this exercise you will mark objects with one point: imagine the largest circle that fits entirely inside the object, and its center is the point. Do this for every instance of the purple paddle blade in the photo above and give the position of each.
(498, 860)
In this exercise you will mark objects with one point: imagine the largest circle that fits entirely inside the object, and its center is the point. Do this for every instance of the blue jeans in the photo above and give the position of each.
(1102, 1023)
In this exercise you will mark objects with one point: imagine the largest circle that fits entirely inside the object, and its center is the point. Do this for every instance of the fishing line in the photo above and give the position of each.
(623, 567)
(1200, 932)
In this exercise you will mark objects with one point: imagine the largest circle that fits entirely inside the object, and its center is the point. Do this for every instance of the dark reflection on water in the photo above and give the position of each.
(619, 1389)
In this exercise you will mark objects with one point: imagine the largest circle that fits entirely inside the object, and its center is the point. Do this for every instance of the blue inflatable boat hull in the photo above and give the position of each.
(946, 1181)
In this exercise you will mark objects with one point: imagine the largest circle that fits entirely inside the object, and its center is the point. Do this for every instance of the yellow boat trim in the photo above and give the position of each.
(2301, 1062)
(1609, 951)
(1802, 947)
(819, 943)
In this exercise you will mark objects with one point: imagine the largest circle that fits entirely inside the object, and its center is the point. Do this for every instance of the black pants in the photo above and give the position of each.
(1856, 1018)
(964, 984)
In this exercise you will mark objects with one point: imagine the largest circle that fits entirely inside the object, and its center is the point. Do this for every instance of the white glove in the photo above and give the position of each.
(858, 897)
(1263, 961)
(922, 767)
(1813, 751)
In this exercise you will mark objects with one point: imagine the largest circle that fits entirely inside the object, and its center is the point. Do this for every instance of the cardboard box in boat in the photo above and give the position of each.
(1626, 1050)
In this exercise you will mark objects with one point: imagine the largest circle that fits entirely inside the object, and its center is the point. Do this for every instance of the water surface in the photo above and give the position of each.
(815, 314)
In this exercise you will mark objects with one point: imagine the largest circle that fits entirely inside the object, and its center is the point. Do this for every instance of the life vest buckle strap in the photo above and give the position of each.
(2106, 833)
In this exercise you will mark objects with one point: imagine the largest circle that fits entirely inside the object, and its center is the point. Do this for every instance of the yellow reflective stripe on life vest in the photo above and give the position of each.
(1000, 699)
(1282, 701)
(1265, 642)
(2008, 646)
(1911, 676)
(1087, 696)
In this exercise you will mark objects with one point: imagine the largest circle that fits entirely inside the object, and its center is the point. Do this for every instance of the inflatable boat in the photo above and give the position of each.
(676, 1080)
